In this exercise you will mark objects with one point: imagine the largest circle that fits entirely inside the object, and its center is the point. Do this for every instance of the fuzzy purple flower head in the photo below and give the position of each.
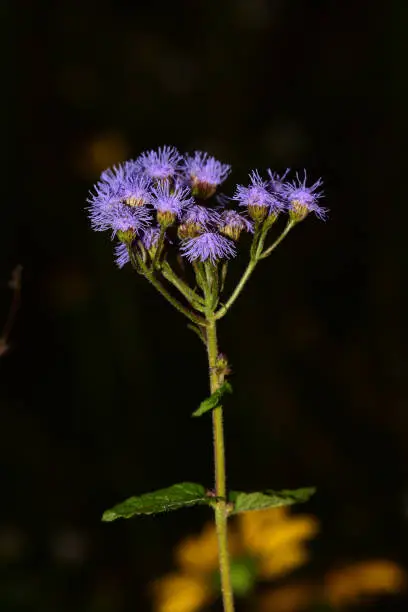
(172, 188)
(208, 246)
(160, 165)
(136, 190)
(301, 200)
(205, 173)
(232, 223)
(196, 220)
(128, 221)
(257, 198)
(170, 202)
(120, 185)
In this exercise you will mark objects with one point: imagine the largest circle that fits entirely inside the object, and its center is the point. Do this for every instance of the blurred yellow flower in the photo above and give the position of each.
(276, 542)
(274, 539)
(373, 577)
(282, 561)
(264, 531)
(198, 553)
(180, 593)
(339, 589)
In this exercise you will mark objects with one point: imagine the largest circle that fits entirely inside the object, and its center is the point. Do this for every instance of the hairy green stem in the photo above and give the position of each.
(283, 235)
(185, 311)
(249, 269)
(220, 473)
(159, 248)
(189, 293)
(138, 262)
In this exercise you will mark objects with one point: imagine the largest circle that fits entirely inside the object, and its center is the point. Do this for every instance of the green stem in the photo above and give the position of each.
(200, 274)
(220, 473)
(273, 246)
(250, 268)
(212, 284)
(189, 293)
(137, 261)
(185, 311)
(159, 247)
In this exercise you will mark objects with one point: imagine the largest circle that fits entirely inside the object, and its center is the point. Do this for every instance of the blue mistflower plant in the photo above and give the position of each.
(163, 207)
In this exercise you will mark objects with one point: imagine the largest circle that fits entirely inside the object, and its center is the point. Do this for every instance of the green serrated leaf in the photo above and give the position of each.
(177, 496)
(213, 401)
(245, 502)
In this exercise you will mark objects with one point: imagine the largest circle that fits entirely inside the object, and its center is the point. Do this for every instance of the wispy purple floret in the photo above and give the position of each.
(233, 223)
(172, 200)
(302, 199)
(205, 173)
(121, 255)
(208, 246)
(257, 198)
(119, 173)
(125, 218)
(151, 237)
(100, 209)
(118, 185)
(223, 200)
(161, 164)
(197, 219)
(276, 182)
(136, 190)
(201, 216)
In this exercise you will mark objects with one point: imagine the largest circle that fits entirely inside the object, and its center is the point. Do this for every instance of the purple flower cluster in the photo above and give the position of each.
(163, 191)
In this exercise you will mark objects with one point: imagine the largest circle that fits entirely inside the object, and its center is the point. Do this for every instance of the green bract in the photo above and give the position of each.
(213, 401)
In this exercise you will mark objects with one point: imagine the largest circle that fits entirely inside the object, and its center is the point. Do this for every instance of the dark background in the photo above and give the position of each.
(101, 378)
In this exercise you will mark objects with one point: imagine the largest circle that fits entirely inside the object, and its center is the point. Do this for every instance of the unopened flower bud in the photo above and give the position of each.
(222, 364)
(165, 218)
(126, 236)
(188, 230)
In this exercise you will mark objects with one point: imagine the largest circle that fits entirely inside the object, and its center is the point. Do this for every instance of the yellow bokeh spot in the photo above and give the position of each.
(282, 561)
(102, 152)
(199, 554)
(366, 578)
(180, 593)
(266, 530)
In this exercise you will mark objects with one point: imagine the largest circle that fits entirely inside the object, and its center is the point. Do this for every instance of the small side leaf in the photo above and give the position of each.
(244, 502)
(213, 401)
(177, 496)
